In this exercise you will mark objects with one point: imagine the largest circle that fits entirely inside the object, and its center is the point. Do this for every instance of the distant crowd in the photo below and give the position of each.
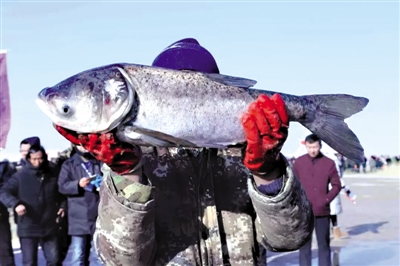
(374, 163)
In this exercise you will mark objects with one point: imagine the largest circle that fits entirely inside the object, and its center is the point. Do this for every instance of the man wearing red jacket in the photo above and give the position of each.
(315, 172)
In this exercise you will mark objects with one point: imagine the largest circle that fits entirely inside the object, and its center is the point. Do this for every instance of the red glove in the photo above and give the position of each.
(266, 127)
(121, 157)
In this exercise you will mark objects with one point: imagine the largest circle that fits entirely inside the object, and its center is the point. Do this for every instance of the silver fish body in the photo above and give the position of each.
(153, 106)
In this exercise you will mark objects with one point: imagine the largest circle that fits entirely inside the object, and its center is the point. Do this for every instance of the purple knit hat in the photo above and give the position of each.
(33, 141)
(187, 54)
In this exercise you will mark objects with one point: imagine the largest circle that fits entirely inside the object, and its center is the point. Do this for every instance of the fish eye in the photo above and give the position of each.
(117, 74)
(66, 109)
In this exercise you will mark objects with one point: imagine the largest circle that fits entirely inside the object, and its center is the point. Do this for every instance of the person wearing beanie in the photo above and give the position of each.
(181, 206)
(187, 54)
(26, 144)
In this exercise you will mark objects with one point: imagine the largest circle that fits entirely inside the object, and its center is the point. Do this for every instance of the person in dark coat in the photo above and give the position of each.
(33, 193)
(64, 238)
(6, 249)
(315, 172)
(75, 179)
(7, 169)
(24, 147)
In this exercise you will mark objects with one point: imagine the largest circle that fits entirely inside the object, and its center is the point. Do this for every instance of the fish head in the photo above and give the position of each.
(93, 101)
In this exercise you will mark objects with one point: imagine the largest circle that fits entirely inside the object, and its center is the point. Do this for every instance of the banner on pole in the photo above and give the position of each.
(5, 111)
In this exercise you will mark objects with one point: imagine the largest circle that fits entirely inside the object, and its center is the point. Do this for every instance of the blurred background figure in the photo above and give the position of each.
(24, 147)
(336, 204)
(33, 193)
(76, 182)
(7, 169)
(6, 249)
(63, 156)
(64, 239)
(315, 172)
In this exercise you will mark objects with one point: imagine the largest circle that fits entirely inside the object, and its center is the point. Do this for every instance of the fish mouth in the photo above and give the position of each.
(73, 136)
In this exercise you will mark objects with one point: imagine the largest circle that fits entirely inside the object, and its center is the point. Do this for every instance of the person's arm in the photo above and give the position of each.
(9, 192)
(125, 232)
(67, 185)
(284, 219)
(7, 169)
(63, 204)
(284, 222)
(271, 183)
(3, 172)
(342, 183)
(334, 180)
(62, 201)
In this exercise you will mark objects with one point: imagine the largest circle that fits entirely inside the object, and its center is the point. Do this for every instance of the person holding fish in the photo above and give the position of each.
(199, 206)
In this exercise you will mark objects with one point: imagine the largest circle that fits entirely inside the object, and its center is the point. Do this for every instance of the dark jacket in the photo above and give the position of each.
(37, 190)
(82, 204)
(6, 172)
(315, 174)
(11, 169)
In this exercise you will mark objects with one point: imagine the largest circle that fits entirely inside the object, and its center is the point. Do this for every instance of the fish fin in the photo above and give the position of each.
(231, 81)
(211, 145)
(327, 122)
(155, 141)
(156, 138)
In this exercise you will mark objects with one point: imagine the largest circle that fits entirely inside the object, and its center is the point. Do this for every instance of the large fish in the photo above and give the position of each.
(153, 106)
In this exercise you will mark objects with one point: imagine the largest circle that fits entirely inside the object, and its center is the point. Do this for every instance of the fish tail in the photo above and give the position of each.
(325, 116)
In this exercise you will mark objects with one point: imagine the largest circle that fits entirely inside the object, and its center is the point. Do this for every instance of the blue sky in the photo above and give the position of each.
(293, 47)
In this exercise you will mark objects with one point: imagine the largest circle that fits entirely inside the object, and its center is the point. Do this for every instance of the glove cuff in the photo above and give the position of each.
(128, 161)
(269, 165)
